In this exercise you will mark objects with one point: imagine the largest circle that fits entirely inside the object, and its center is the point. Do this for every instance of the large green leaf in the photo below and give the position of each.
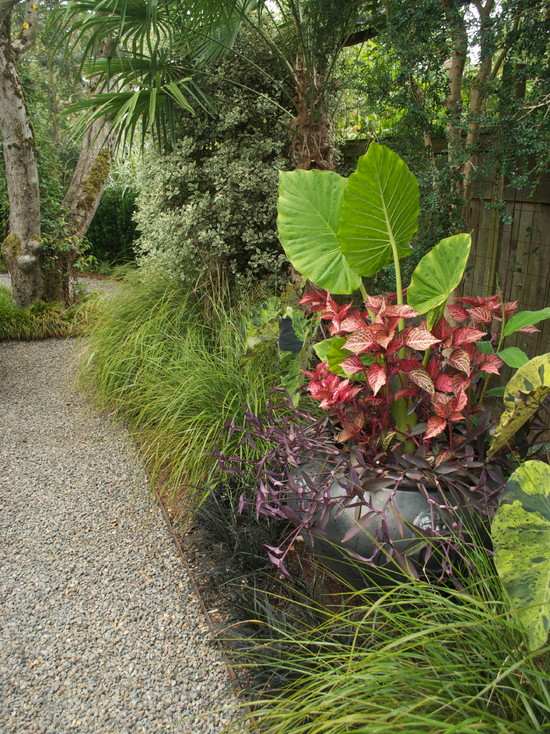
(439, 273)
(521, 539)
(513, 357)
(308, 210)
(525, 318)
(523, 395)
(379, 214)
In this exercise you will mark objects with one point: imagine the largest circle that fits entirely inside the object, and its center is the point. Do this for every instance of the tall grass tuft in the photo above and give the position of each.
(41, 320)
(174, 365)
(405, 657)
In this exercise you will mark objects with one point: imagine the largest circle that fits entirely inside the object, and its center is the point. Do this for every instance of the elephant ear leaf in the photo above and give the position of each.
(379, 214)
(439, 273)
(523, 395)
(521, 538)
(308, 211)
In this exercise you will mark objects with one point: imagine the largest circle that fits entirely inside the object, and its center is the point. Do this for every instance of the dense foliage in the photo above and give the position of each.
(396, 657)
(212, 201)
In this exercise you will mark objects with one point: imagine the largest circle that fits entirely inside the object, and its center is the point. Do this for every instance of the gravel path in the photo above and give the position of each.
(99, 627)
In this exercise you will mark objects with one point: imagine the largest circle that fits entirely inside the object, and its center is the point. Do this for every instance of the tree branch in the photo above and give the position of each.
(366, 34)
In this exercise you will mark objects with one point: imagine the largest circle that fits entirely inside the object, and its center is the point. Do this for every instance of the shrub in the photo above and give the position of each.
(212, 200)
(174, 364)
(112, 231)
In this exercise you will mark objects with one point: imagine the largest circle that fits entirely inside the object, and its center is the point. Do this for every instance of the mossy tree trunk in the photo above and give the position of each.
(21, 248)
(38, 271)
(89, 178)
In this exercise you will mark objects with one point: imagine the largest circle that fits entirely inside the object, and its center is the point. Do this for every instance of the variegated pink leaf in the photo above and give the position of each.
(491, 364)
(467, 335)
(400, 311)
(436, 425)
(444, 383)
(481, 315)
(352, 365)
(457, 313)
(376, 377)
(420, 338)
(360, 341)
(421, 378)
(460, 360)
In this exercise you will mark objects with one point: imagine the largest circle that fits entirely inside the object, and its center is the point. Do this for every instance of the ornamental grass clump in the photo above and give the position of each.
(174, 364)
(392, 657)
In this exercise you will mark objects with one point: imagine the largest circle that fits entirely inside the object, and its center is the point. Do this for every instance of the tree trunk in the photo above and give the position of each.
(89, 179)
(455, 74)
(311, 144)
(84, 195)
(21, 248)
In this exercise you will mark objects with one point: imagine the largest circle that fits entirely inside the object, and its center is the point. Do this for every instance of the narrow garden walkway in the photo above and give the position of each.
(99, 627)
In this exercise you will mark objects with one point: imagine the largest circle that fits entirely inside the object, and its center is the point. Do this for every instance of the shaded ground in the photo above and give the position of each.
(99, 628)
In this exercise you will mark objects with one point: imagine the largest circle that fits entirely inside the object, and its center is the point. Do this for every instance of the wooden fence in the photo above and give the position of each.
(510, 252)
(513, 255)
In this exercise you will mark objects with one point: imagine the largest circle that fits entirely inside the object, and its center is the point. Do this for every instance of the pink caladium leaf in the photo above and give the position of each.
(418, 337)
(435, 426)
(529, 330)
(361, 341)
(382, 336)
(467, 335)
(351, 323)
(314, 299)
(376, 377)
(421, 378)
(400, 311)
(445, 383)
(460, 360)
(510, 308)
(442, 404)
(481, 315)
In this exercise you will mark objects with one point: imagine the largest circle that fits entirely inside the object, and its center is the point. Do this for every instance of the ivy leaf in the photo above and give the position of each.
(525, 318)
(513, 357)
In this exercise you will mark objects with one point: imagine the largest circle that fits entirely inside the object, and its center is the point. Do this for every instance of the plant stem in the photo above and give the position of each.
(363, 291)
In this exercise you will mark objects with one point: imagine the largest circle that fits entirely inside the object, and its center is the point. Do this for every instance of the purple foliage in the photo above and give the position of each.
(301, 462)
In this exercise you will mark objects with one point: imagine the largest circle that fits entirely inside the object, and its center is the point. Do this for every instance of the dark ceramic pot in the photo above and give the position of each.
(375, 520)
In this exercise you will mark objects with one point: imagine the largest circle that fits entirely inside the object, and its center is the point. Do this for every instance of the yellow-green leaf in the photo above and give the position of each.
(308, 211)
(521, 538)
(439, 273)
(523, 395)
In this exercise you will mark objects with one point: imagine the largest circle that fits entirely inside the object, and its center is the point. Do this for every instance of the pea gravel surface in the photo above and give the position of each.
(100, 630)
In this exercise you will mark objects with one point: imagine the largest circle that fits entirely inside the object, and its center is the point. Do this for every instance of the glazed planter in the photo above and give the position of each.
(370, 523)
